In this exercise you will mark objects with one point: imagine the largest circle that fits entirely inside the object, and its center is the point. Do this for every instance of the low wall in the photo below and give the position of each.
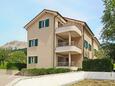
(100, 75)
(10, 72)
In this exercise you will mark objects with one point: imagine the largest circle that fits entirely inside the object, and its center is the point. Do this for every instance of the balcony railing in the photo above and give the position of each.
(65, 64)
(66, 43)
(72, 28)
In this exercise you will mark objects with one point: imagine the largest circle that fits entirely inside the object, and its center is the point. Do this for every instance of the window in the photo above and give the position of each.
(85, 44)
(33, 42)
(44, 23)
(32, 59)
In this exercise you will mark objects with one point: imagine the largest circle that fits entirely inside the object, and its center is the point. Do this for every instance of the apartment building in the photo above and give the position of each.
(57, 41)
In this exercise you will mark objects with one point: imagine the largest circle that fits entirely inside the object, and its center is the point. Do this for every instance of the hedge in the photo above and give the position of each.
(104, 65)
(42, 71)
(18, 66)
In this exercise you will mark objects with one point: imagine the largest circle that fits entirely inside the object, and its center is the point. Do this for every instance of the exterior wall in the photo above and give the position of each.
(77, 58)
(95, 46)
(88, 38)
(44, 50)
(78, 41)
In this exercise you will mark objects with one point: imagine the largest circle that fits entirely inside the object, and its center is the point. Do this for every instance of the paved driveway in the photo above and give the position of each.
(48, 80)
(5, 79)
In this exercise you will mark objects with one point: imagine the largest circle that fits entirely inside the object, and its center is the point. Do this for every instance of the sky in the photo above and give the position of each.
(14, 14)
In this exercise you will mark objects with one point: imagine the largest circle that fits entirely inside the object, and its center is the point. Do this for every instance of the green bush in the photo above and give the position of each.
(42, 71)
(97, 65)
(3, 66)
(18, 66)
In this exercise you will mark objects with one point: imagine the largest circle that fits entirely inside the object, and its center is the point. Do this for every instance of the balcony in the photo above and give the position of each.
(64, 47)
(73, 29)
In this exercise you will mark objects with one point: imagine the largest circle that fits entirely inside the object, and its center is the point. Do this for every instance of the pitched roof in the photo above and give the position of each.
(44, 11)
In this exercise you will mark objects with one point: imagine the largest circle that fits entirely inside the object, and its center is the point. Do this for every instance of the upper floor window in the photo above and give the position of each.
(44, 23)
(33, 42)
(32, 59)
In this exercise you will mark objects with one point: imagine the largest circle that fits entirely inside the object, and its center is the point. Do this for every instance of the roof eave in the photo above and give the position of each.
(45, 10)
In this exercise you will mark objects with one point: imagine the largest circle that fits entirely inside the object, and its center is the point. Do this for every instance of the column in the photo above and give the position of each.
(69, 38)
(69, 59)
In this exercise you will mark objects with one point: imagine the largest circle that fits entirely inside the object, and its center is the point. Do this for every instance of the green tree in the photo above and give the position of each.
(101, 53)
(108, 20)
(17, 57)
(110, 50)
(4, 55)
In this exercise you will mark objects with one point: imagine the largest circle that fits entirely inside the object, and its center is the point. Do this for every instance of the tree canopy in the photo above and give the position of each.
(108, 20)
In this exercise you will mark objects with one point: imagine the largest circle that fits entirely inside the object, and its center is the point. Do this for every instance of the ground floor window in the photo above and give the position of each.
(32, 59)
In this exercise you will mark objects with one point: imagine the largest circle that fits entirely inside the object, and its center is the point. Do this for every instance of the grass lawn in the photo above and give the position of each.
(95, 83)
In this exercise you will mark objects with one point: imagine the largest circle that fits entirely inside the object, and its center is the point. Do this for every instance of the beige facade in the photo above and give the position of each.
(61, 43)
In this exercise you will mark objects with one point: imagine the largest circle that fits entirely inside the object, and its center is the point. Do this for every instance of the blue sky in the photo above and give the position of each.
(14, 14)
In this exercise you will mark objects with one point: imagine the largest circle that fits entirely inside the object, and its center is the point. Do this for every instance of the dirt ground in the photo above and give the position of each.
(95, 83)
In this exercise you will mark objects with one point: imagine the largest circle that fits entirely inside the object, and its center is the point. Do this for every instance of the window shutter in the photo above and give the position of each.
(29, 60)
(40, 24)
(36, 42)
(29, 43)
(46, 22)
(87, 45)
(36, 59)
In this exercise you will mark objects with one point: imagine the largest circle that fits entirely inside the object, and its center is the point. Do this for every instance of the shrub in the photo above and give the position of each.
(3, 65)
(97, 65)
(42, 71)
(113, 66)
(18, 66)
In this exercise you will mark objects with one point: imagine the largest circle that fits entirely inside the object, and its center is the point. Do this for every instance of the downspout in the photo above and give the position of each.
(83, 42)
